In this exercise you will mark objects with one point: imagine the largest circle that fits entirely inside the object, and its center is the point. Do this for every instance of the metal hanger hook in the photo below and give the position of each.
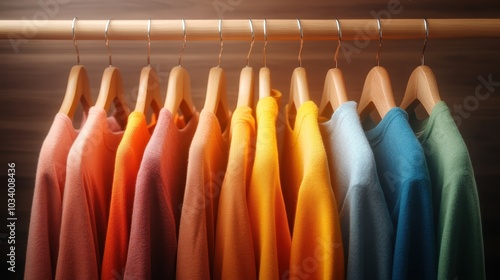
(149, 42)
(184, 41)
(340, 42)
(264, 58)
(426, 26)
(74, 40)
(221, 42)
(379, 41)
(301, 41)
(253, 41)
(107, 41)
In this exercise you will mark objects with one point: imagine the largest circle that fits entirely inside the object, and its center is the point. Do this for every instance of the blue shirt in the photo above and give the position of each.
(403, 175)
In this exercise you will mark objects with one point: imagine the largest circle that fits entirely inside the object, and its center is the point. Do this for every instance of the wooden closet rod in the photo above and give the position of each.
(238, 29)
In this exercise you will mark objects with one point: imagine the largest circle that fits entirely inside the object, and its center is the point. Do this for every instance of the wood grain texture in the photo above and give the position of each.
(238, 29)
(33, 76)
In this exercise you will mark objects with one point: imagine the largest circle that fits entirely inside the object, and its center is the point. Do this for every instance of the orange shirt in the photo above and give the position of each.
(205, 173)
(317, 251)
(234, 255)
(127, 163)
(271, 234)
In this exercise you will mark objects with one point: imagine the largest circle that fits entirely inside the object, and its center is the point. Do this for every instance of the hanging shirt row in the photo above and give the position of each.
(215, 195)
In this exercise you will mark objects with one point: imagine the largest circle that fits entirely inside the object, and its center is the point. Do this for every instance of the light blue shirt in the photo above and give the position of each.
(367, 229)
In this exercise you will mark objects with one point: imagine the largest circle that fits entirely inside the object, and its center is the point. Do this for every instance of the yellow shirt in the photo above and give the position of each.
(317, 251)
(234, 255)
(271, 234)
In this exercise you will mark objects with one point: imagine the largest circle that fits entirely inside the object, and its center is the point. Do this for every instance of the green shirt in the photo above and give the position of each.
(457, 215)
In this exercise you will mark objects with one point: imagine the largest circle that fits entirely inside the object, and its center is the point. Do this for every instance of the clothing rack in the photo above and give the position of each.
(238, 29)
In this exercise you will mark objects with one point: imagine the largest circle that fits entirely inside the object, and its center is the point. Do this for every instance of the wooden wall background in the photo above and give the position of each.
(33, 79)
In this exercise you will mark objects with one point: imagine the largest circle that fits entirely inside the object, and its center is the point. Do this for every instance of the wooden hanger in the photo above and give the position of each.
(247, 84)
(377, 90)
(377, 93)
(111, 91)
(422, 86)
(179, 88)
(149, 91)
(264, 82)
(78, 88)
(77, 91)
(264, 72)
(216, 100)
(334, 92)
(247, 88)
(299, 90)
(179, 93)
(149, 85)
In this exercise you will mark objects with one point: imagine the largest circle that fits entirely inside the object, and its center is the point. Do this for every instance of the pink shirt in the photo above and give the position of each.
(206, 167)
(45, 223)
(158, 198)
(86, 200)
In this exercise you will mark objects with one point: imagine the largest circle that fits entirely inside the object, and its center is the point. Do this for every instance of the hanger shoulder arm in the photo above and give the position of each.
(215, 80)
(216, 99)
(111, 91)
(108, 88)
(422, 87)
(179, 93)
(264, 82)
(77, 91)
(299, 90)
(377, 92)
(334, 92)
(246, 88)
(149, 91)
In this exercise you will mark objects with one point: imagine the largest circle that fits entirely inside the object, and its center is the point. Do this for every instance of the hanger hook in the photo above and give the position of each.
(107, 40)
(265, 44)
(426, 26)
(74, 40)
(184, 40)
(301, 41)
(221, 42)
(379, 41)
(340, 41)
(253, 41)
(149, 42)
